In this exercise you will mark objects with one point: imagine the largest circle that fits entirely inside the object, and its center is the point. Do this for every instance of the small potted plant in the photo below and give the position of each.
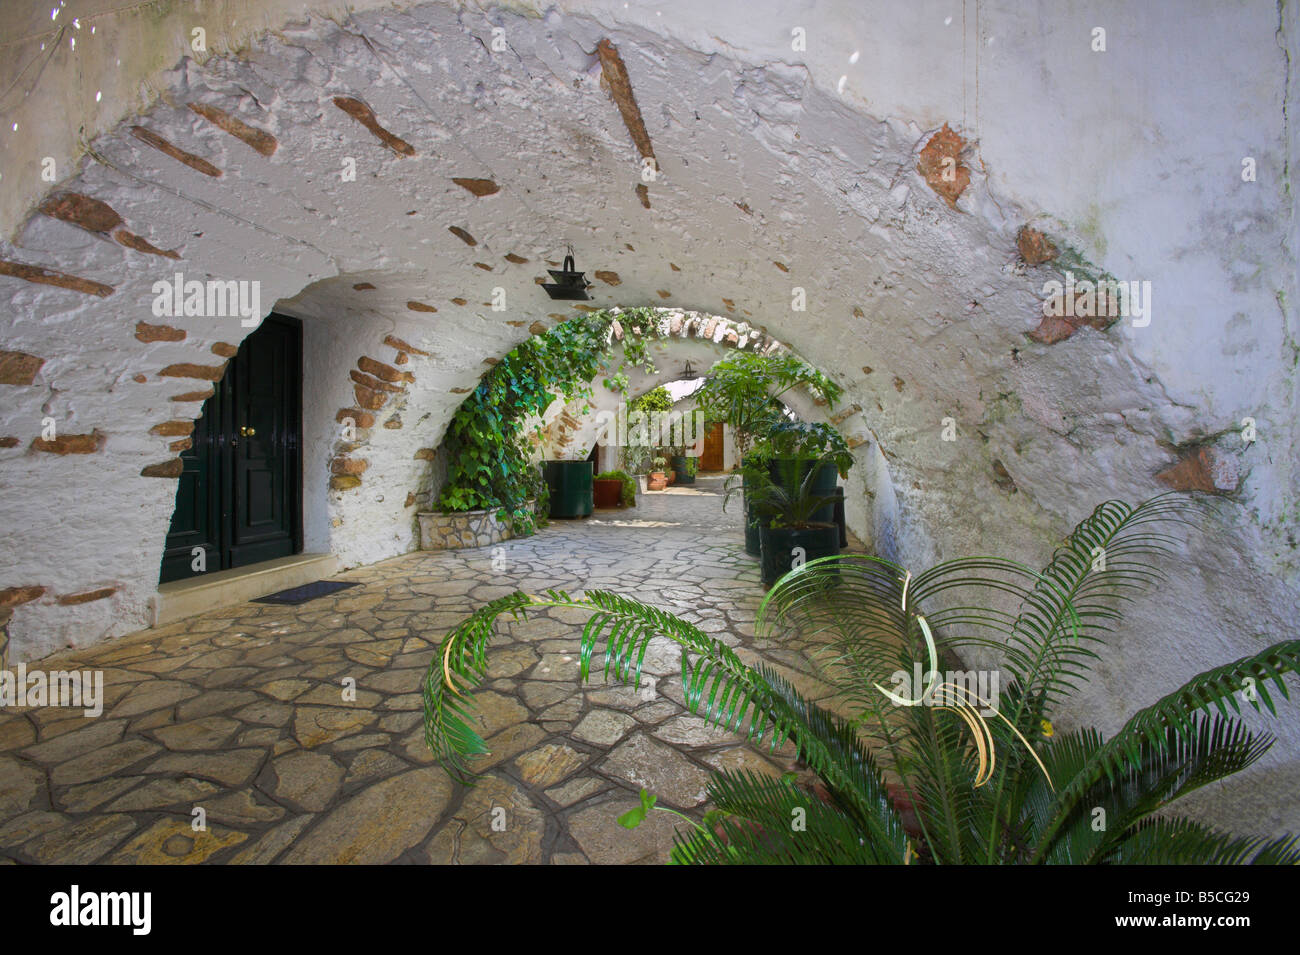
(670, 472)
(658, 480)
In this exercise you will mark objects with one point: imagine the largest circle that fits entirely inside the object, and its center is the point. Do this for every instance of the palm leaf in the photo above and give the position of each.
(767, 821)
(1183, 842)
(1217, 688)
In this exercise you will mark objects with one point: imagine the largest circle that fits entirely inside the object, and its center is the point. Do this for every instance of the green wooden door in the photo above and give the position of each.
(239, 496)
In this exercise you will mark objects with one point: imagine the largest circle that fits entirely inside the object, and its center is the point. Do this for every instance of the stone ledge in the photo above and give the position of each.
(441, 530)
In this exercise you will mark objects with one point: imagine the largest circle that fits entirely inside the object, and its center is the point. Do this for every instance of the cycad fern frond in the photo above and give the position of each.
(768, 821)
(1179, 841)
(1149, 728)
(1184, 760)
(1106, 559)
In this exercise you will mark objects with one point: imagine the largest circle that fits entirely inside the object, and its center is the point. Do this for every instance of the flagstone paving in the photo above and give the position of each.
(295, 733)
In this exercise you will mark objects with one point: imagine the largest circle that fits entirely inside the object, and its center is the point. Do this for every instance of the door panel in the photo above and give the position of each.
(712, 458)
(196, 521)
(247, 471)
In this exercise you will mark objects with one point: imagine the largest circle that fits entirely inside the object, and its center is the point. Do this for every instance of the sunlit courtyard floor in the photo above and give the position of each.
(238, 718)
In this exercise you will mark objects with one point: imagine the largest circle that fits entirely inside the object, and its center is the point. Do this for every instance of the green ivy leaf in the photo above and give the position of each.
(634, 817)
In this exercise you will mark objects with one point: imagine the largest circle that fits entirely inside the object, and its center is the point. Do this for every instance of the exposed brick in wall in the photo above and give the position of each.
(197, 163)
(18, 368)
(158, 333)
(190, 370)
(70, 443)
(364, 115)
(375, 384)
(99, 218)
(41, 276)
(167, 469)
(259, 139)
(89, 596)
(941, 165)
(479, 187)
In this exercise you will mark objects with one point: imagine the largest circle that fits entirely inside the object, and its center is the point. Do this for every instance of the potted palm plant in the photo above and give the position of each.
(794, 448)
(744, 391)
(787, 506)
(986, 776)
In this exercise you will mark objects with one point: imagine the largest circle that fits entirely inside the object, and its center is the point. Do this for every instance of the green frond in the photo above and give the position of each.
(1149, 728)
(1179, 841)
(767, 821)
(1106, 558)
(1183, 761)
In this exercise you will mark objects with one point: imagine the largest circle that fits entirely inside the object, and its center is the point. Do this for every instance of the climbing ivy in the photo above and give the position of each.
(636, 323)
(487, 444)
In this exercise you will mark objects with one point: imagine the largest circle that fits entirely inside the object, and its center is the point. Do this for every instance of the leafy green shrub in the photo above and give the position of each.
(487, 447)
(627, 495)
(636, 456)
(807, 441)
(743, 390)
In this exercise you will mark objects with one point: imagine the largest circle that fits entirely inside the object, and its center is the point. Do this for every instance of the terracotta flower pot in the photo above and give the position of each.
(657, 481)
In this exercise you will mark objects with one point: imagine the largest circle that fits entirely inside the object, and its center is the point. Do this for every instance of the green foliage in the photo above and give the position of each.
(635, 455)
(635, 352)
(1040, 799)
(487, 447)
(806, 441)
(634, 817)
(627, 493)
(656, 399)
(744, 391)
(789, 500)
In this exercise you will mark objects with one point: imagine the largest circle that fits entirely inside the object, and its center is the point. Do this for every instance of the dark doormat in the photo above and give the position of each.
(300, 595)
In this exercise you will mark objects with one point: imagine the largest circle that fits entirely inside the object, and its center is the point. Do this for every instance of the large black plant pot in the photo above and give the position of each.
(838, 504)
(752, 545)
(570, 486)
(824, 484)
(679, 467)
(779, 543)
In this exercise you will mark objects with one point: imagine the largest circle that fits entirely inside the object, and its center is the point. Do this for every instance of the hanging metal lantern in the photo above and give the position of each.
(570, 285)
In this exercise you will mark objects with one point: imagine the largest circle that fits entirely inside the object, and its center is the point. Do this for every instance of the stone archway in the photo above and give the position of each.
(685, 336)
(775, 184)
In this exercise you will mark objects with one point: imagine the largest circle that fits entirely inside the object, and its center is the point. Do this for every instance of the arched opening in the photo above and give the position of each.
(404, 207)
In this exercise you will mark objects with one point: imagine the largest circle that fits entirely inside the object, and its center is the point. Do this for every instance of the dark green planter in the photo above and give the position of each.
(823, 486)
(679, 468)
(570, 486)
(778, 544)
(839, 518)
(752, 544)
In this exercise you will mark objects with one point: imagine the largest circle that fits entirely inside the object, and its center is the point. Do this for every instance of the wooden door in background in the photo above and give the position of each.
(712, 458)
